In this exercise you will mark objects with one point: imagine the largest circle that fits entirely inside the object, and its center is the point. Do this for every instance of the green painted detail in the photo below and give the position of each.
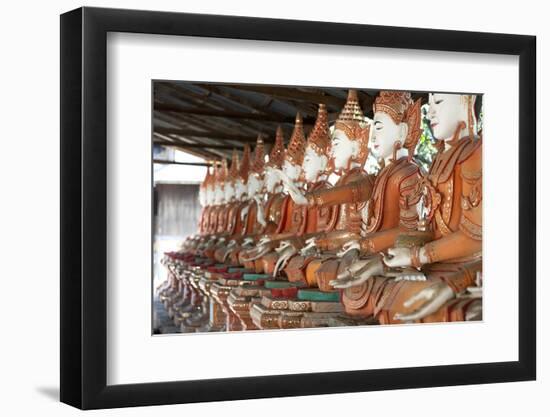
(238, 269)
(317, 295)
(255, 277)
(282, 284)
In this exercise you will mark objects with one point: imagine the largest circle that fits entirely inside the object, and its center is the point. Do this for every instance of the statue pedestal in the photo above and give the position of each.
(240, 300)
(291, 307)
(216, 316)
(220, 292)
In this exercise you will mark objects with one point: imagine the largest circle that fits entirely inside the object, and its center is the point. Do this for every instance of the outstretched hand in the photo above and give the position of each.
(310, 246)
(358, 273)
(433, 298)
(295, 193)
(353, 244)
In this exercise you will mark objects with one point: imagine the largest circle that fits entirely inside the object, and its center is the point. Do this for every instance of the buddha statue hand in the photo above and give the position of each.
(264, 240)
(432, 297)
(244, 213)
(257, 252)
(310, 247)
(358, 273)
(295, 193)
(407, 274)
(398, 258)
(284, 244)
(260, 213)
(232, 243)
(348, 246)
(247, 242)
(284, 256)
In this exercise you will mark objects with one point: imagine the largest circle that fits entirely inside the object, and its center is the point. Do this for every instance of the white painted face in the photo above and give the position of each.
(385, 133)
(313, 165)
(254, 185)
(218, 194)
(445, 112)
(342, 149)
(240, 189)
(210, 195)
(271, 179)
(202, 196)
(229, 191)
(292, 171)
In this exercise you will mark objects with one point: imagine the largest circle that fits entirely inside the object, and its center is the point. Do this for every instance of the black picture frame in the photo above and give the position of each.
(84, 207)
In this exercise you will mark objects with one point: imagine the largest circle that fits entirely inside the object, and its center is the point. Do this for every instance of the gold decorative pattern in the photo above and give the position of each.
(470, 229)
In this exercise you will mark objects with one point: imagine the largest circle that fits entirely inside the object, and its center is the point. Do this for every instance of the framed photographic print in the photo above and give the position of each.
(257, 208)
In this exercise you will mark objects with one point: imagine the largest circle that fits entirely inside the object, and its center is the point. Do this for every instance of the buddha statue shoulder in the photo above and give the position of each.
(293, 219)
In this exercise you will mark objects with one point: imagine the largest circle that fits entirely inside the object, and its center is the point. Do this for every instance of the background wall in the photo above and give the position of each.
(29, 103)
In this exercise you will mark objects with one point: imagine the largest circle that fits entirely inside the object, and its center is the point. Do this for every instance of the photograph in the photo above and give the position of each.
(298, 207)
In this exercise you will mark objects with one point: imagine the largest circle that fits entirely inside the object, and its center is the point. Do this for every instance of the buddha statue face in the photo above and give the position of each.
(254, 185)
(342, 149)
(202, 196)
(210, 195)
(291, 170)
(446, 111)
(313, 165)
(271, 179)
(385, 134)
(229, 190)
(240, 189)
(218, 194)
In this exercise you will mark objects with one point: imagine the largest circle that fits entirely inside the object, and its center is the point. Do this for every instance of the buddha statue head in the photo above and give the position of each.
(349, 145)
(229, 185)
(316, 154)
(451, 116)
(294, 155)
(210, 184)
(275, 163)
(396, 125)
(221, 175)
(241, 181)
(255, 181)
(203, 189)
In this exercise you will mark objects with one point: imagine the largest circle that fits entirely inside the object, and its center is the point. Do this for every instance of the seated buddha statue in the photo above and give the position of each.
(236, 223)
(294, 218)
(252, 178)
(223, 194)
(448, 265)
(392, 209)
(268, 208)
(314, 221)
(348, 153)
(191, 242)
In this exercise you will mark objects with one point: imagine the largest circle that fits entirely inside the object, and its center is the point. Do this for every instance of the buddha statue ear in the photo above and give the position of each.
(396, 146)
(400, 141)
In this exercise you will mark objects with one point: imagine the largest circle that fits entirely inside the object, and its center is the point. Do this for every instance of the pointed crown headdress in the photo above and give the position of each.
(297, 145)
(258, 163)
(245, 164)
(319, 137)
(277, 154)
